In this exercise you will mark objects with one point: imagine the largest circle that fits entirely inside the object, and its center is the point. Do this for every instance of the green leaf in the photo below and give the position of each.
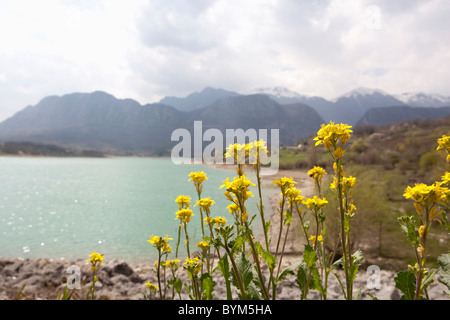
(444, 270)
(267, 226)
(244, 268)
(288, 217)
(207, 286)
(309, 256)
(340, 284)
(178, 285)
(427, 280)
(268, 257)
(408, 225)
(189, 290)
(302, 280)
(288, 271)
(238, 242)
(405, 281)
(224, 267)
(357, 259)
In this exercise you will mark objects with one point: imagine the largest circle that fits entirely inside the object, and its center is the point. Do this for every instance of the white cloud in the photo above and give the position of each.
(148, 49)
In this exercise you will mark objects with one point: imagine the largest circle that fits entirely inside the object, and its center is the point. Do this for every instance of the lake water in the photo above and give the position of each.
(66, 208)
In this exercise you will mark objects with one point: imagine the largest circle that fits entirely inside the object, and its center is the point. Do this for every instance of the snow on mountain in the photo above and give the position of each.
(420, 99)
(361, 91)
(277, 92)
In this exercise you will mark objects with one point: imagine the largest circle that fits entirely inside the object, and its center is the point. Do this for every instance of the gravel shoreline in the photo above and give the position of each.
(119, 280)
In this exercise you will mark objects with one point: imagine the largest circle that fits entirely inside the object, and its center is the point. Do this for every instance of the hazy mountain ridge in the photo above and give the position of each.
(351, 106)
(99, 120)
(390, 115)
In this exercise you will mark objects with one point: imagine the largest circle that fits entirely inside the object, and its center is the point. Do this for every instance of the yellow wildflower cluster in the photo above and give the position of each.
(95, 259)
(347, 183)
(284, 183)
(313, 239)
(205, 203)
(198, 178)
(316, 173)
(217, 221)
(151, 286)
(237, 152)
(334, 136)
(444, 143)
(160, 243)
(172, 263)
(204, 245)
(446, 178)
(184, 215)
(424, 194)
(315, 203)
(239, 186)
(294, 195)
(183, 201)
(193, 266)
(253, 150)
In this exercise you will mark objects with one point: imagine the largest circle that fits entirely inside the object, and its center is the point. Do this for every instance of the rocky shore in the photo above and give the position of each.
(118, 280)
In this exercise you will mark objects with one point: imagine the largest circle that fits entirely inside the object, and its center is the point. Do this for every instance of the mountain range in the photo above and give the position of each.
(349, 107)
(100, 121)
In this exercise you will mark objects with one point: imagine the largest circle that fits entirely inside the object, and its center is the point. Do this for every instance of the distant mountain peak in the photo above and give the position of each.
(362, 91)
(421, 99)
(277, 92)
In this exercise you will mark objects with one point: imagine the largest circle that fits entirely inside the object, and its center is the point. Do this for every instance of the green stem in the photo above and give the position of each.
(159, 275)
(236, 271)
(343, 233)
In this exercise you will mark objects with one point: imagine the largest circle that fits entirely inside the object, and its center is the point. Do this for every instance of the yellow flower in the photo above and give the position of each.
(294, 195)
(162, 244)
(205, 203)
(348, 182)
(203, 245)
(183, 201)
(444, 143)
(184, 215)
(330, 135)
(422, 193)
(316, 173)
(421, 231)
(198, 177)
(315, 203)
(338, 153)
(284, 183)
(193, 265)
(239, 186)
(151, 286)
(95, 258)
(256, 150)
(351, 208)
(238, 152)
(220, 221)
(446, 178)
(319, 238)
(232, 208)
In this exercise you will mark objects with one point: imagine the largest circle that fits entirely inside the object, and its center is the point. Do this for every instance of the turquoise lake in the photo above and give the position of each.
(66, 208)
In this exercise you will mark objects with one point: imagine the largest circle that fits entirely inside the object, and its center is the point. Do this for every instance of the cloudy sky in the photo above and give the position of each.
(148, 49)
